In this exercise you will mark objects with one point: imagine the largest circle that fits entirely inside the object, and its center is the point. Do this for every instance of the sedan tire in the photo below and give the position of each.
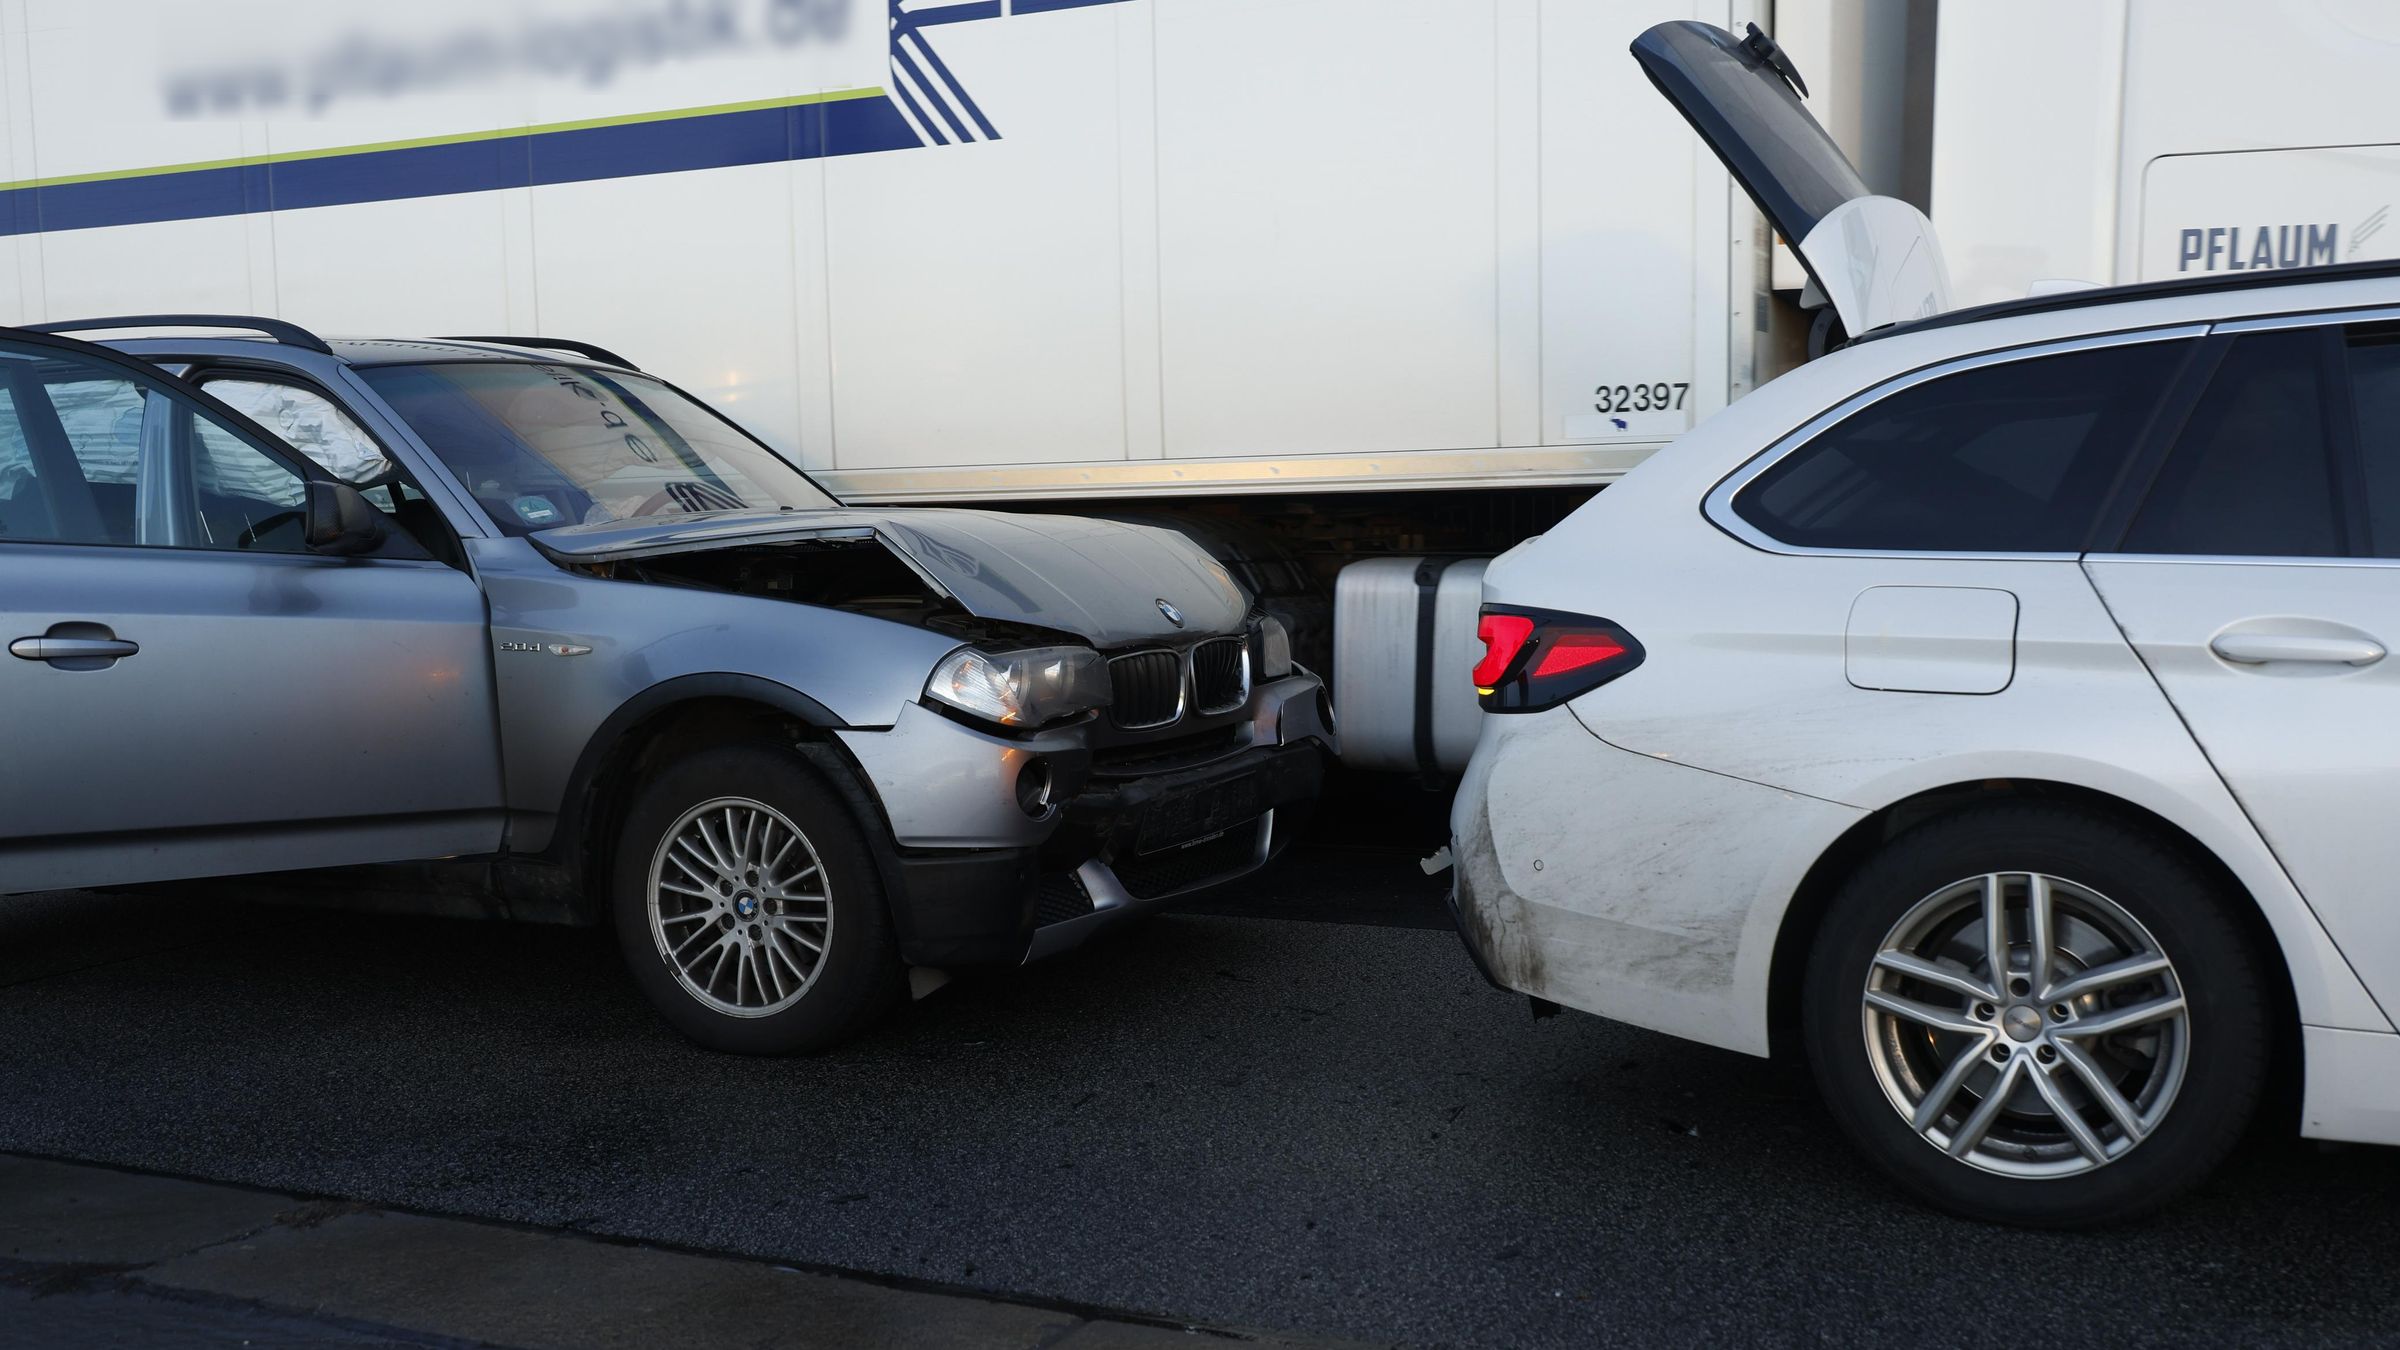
(2031, 1015)
(749, 908)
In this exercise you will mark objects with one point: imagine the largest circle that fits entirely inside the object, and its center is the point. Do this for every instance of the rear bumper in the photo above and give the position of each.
(977, 880)
(1624, 885)
(1469, 938)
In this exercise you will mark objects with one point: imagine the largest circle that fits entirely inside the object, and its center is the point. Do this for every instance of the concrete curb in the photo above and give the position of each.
(128, 1256)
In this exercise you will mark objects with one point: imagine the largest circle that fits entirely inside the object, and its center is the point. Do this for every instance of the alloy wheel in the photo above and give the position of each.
(2026, 1025)
(740, 907)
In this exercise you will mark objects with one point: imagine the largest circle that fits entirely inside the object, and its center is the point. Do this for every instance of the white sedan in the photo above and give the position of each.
(1997, 709)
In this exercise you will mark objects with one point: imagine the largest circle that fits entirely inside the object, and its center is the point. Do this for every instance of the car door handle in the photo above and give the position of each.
(71, 649)
(2257, 649)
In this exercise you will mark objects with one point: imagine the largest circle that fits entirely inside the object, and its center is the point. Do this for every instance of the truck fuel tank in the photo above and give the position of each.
(1404, 640)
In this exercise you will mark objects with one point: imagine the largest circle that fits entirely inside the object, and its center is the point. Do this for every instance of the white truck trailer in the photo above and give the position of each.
(1358, 291)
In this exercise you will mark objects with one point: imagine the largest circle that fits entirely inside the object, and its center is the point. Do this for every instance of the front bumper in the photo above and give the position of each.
(977, 879)
(1156, 840)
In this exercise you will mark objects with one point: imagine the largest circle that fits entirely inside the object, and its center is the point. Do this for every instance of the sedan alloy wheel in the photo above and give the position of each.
(2026, 1024)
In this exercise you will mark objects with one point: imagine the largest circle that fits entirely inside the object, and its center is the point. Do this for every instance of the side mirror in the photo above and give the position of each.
(342, 522)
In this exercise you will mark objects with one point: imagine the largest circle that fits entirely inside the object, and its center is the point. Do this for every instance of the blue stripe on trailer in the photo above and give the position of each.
(629, 150)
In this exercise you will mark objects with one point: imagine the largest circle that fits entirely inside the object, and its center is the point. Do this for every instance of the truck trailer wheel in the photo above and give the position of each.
(748, 907)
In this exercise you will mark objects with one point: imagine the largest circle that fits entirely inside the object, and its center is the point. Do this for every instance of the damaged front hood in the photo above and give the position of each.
(1101, 580)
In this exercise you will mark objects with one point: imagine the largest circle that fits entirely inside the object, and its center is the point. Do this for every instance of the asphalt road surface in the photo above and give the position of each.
(1321, 1123)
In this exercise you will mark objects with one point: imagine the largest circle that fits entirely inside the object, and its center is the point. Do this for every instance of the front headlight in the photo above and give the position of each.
(1274, 650)
(1022, 689)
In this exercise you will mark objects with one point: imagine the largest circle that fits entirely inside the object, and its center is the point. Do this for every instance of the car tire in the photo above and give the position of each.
(729, 865)
(1892, 1017)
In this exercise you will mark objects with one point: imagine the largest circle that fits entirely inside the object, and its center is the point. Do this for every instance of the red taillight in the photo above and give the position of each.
(1503, 636)
(1574, 651)
(1539, 658)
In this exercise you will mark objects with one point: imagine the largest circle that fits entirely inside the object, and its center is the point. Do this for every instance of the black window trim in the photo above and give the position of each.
(1718, 505)
(2341, 428)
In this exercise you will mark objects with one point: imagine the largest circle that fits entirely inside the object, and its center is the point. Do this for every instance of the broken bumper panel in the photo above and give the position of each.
(978, 879)
(1159, 840)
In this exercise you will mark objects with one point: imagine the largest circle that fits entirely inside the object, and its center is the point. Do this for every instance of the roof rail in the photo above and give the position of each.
(2088, 296)
(596, 353)
(290, 334)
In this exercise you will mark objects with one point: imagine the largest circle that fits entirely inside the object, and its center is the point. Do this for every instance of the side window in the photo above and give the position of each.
(24, 509)
(245, 499)
(70, 448)
(310, 423)
(102, 420)
(2015, 457)
(2374, 360)
(91, 453)
(2252, 473)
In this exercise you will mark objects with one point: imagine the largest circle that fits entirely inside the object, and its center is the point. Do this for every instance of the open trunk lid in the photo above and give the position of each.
(1875, 259)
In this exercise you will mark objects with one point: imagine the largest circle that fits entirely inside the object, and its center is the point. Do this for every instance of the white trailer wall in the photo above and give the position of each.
(1223, 245)
(2104, 140)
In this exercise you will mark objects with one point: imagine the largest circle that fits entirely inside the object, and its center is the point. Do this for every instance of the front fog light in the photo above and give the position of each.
(1034, 786)
(1274, 650)
(1028, 688)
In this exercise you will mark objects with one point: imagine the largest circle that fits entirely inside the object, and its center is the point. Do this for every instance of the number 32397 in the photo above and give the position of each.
(1659, 396)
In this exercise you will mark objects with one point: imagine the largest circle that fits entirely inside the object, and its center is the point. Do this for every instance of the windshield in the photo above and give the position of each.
(549, 445)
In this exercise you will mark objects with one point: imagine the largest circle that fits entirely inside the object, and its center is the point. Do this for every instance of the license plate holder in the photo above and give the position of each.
(1205, 811)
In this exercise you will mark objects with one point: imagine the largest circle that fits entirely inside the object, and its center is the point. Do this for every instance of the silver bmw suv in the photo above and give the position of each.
(580, 648)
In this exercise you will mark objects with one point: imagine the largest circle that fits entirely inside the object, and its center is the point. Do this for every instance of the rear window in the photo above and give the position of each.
(2009, 458)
